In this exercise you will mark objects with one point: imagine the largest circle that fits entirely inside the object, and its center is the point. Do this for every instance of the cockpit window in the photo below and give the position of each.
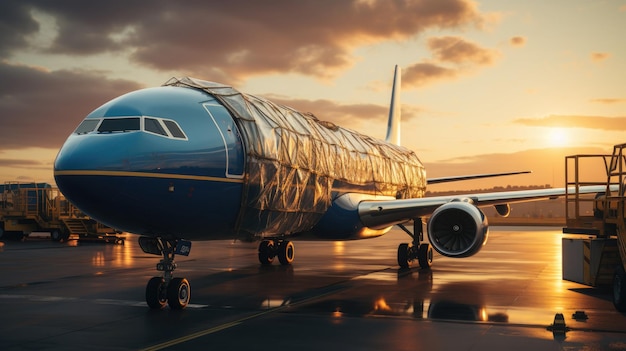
(154, 126)
(109, 125)
(174, 129)
(164, 127)
(87, 126)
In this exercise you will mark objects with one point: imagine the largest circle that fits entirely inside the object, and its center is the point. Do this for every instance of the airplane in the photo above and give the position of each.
(199, 160)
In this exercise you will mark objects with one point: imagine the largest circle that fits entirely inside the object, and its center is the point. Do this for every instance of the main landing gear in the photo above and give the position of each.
(418, 249)
(160, 291)
(268, 249)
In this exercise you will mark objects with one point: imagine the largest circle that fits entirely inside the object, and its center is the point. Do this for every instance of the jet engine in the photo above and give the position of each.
(458, 229)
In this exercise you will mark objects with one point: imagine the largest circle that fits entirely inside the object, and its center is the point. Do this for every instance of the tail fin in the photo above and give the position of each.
(393, 125)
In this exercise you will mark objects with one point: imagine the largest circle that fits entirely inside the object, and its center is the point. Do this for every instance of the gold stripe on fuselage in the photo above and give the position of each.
(147, 175)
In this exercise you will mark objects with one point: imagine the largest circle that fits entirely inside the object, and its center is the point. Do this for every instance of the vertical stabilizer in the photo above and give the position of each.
(393, 125)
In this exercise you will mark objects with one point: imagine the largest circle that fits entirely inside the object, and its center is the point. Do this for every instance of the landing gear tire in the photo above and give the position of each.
(417, 250)
(407, 253)
(178, 293)
(619, 289)
(58, 235)
(266, 249)
(286, 252)
(155, 294)
(425, 256)
(404, 260)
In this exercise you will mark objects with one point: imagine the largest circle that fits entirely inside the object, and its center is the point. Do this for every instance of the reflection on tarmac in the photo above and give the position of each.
(114, 256)
(350, 292)
(412, 296)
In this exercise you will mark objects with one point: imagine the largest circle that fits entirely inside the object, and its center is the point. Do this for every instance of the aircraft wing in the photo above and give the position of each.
(378, 214)
(471, 177)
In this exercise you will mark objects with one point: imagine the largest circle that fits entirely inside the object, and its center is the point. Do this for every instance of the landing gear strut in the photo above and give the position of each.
(418, 249)
(160, 291)
(284, 249)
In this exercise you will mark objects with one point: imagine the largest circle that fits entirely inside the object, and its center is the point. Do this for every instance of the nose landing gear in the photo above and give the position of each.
(160, 291)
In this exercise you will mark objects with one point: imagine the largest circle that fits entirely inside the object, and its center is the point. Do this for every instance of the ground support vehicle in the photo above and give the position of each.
(27, 208)
(599, 257)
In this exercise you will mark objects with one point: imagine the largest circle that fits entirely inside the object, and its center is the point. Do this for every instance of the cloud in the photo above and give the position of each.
(16, 24)
(608, 101)
(236, 38)
(46, 106)
(348, 116)
(546, 166)
(11, 163)
(424, 73)
(589, 122)
(40, 108)
(599, 56)
(453, 57)
(459, 51)
(517, 41)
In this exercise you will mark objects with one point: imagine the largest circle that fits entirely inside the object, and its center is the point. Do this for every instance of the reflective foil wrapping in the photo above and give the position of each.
(296, 164)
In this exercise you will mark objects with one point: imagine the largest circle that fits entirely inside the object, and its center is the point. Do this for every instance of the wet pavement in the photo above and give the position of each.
(336, 296)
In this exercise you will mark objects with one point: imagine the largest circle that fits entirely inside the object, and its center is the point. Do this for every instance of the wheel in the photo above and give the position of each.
(425, 256)
(266, 255)
(286, 251)
(58, 235)
(619, 289)
(403, 256)
(155, 296)
(178, 293)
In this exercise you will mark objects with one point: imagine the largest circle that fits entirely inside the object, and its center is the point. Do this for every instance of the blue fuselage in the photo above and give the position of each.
(176, 162)
(143, 182)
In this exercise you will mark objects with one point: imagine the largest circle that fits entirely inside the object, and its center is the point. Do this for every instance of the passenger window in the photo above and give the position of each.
(119, 125)
(174, 129)
(87, 126)
(152, 125)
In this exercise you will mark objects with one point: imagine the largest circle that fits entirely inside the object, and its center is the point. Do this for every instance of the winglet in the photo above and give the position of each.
(393, 125)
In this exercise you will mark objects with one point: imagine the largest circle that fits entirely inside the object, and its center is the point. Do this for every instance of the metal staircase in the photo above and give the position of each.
(76, 226)
(615, 201)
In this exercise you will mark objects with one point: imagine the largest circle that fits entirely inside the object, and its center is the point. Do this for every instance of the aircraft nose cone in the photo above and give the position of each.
(123, 190)
(95, 152)
(78, 163)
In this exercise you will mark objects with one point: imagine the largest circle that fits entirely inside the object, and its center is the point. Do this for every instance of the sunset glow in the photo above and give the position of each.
(557, 137)
(482, 80)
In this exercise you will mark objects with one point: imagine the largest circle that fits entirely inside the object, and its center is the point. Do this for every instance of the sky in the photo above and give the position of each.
(487, 86)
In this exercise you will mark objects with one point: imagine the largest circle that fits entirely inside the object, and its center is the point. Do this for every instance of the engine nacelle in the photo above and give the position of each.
(458, 229)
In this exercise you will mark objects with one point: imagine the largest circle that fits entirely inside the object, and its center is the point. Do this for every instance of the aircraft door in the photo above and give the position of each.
(235, 155)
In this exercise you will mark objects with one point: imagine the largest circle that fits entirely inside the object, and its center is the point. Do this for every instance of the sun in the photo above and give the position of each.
(557, 137)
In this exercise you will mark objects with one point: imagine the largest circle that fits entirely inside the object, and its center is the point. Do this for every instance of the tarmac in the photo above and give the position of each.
(336, 296)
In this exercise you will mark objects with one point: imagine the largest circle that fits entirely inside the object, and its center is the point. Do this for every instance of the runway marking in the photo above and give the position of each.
(325, 291)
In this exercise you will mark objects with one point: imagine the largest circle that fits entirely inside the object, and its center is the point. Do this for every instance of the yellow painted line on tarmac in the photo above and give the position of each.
(205, 332)
(234, 323)
(191, 336)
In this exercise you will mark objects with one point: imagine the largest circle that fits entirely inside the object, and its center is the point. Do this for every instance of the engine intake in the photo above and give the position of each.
(458, 229)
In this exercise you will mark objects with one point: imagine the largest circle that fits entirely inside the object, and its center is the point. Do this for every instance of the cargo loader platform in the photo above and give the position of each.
(599, 257)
